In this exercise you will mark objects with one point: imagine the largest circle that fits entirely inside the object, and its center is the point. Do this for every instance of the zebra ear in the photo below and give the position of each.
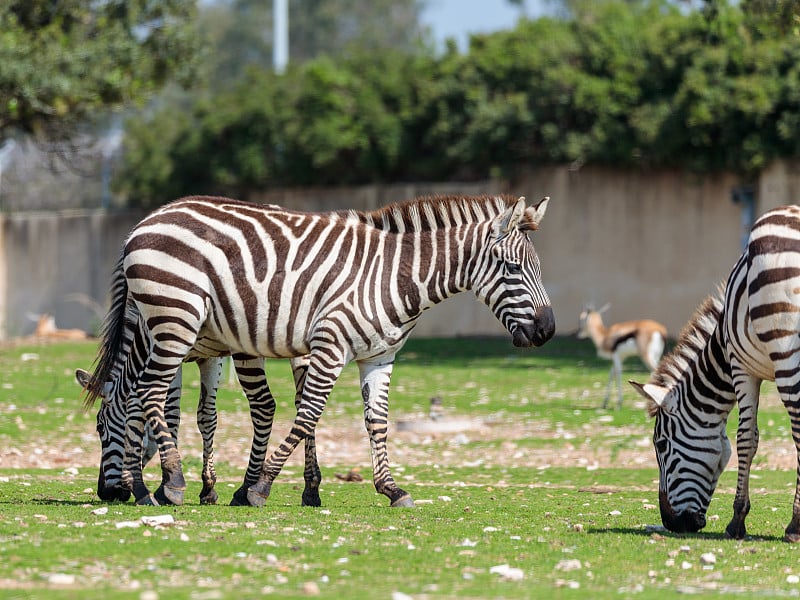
(84, 378)
(654, 394)
(534, 215)
(511, 218)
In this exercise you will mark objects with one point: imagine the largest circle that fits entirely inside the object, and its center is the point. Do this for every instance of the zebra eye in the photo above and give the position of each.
(513, 268)
(661, 445)
(100, 428)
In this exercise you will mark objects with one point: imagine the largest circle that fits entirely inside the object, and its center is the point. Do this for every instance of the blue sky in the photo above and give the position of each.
(459, 18)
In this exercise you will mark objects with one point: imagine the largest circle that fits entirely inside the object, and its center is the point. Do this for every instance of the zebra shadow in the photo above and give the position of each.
(669, 535)
(49, 501)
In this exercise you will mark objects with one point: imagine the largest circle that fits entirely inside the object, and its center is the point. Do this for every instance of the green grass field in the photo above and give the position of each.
(547, 496)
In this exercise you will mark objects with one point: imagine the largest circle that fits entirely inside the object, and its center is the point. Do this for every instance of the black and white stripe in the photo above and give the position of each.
(251, 376)
(735, 341)
(213, 276)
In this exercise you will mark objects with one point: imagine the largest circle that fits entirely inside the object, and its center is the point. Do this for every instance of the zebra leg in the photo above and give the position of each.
(312, 475)
(132, 479)
(788, 391)
(253, 380)
(210, 371)
(792, 533)
(747, 391)
(375, 377)
(172, 414)
(322, 373)
(160, 369)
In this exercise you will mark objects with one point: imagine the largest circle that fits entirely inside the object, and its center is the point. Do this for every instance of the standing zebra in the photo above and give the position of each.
(249, 371)
(731, 345)
(209, 276)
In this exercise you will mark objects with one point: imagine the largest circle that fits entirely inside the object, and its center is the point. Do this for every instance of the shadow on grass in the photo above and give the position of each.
(700, 536)
(55, 502)
(460, 349)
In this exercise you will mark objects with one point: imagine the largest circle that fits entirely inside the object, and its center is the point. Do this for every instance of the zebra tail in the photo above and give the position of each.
(112, 337)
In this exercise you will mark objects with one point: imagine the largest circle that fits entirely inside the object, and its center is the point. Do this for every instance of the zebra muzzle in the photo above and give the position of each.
(687, 521)
(536, 333)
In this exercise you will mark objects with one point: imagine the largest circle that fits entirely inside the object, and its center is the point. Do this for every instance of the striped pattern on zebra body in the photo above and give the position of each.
(211, 276)
(734, 342)
(252, 378)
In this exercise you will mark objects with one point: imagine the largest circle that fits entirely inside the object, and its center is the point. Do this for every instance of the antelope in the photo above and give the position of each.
(643, 337)
(46, 328)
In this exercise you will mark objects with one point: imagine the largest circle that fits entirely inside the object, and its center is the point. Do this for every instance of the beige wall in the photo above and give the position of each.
(57, 263)
(652, 244)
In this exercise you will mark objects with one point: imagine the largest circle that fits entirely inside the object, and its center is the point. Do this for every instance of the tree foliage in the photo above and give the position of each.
(60, 62)
(633, 84)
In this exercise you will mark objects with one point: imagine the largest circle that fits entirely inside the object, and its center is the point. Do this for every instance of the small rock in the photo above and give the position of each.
(792, 579)
(508, 572)
(100, 511)
(708, 558)
(578, 527)
(154, 520)
(569, 564)
(310, 588)
(61, 579)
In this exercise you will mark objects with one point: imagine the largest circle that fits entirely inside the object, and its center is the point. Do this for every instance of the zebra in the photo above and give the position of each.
(736, 340)
(252, 378)
(213, 275)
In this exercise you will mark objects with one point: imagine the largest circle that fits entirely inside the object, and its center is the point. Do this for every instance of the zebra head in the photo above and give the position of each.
(510, 282)
(691, 456)
(111, 430)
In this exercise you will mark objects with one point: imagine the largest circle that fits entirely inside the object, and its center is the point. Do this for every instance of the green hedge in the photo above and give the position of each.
(627, 84)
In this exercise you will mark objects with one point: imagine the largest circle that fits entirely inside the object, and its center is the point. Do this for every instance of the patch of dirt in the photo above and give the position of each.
(343, 442)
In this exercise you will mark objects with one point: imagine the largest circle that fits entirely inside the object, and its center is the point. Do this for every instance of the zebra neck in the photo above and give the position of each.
(439, 266)
(707, 388)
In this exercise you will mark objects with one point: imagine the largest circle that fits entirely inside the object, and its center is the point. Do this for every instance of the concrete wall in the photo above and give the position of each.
(58, 263)
(652, 244)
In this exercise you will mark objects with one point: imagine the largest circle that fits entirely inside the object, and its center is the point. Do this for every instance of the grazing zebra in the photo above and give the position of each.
(211, 276)
(252, 378)
(732, 344)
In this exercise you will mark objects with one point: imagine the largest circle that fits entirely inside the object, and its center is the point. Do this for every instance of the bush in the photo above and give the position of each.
(629, 84)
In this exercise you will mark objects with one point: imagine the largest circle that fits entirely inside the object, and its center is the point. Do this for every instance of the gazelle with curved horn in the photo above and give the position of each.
(644, 338)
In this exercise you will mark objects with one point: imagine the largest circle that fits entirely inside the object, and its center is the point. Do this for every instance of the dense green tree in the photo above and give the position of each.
(634, 84)
(63, 61)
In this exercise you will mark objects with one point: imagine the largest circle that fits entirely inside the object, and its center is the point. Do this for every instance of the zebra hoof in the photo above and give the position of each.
(792, 538)
(404, 501)
(257, 497)
(148, 500)
(240, 498)
(311, 499)
(167, 495)
(210, 498)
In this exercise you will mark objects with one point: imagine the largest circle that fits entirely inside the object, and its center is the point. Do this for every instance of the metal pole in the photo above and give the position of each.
(280, 35)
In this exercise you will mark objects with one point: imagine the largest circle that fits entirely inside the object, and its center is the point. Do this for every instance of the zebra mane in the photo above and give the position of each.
(429, 213)
(692, 339)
